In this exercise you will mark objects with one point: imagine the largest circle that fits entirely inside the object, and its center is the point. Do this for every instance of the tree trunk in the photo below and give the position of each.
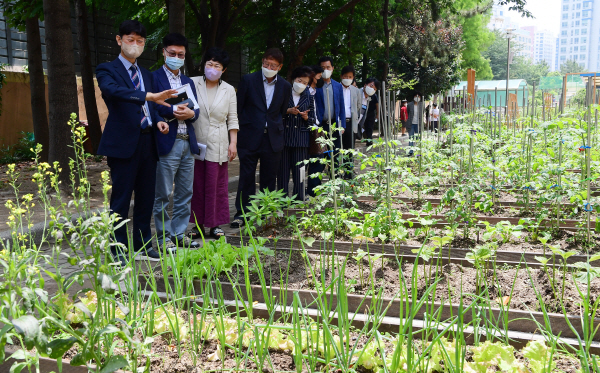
(386, 33)
(176, 9)
(94, 130)
(273, 40)
(37, 86)
(350, 37)
(62, 86)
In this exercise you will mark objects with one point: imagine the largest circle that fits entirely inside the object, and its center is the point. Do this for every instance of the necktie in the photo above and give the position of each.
(135, 78)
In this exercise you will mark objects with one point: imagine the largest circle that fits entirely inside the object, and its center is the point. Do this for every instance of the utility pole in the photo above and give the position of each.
(508, 61)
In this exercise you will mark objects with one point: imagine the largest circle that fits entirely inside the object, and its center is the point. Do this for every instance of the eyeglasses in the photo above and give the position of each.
(214, 65)
(271, 66)
(130, 40)
(173, 54)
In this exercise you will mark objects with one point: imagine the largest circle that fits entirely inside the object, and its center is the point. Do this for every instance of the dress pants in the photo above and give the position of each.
(176, 168)
(289, 162)
(316, 167)
(269, 167)
(368, 134)
(134, 175)
(348, 143)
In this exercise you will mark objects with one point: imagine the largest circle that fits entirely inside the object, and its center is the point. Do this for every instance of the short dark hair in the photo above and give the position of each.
(317, 69)
(372, 80)
(302, 72)
(216, 54)
(434, 105)
(417, 93)
(175, 38)
(132, 26)
(274, 53)
(325, 59)
(348, 69)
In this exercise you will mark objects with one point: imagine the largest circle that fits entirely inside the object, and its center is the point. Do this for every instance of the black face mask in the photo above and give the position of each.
(320, 83)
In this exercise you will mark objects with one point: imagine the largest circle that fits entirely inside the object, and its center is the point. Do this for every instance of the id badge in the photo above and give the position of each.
(146, 113)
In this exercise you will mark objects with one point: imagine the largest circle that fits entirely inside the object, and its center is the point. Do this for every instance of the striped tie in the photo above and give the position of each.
(135, 78)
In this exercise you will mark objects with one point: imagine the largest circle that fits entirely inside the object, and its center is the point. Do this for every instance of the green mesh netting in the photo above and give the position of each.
(556, 82)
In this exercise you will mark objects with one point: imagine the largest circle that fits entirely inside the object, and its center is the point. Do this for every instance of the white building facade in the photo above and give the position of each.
(579, 33)
(544, 47)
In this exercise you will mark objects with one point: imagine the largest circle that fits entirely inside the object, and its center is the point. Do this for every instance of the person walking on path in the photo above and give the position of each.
(175, 169)
(352, 103)
(415, 119)
(435, 118)
(216, 128)
(297, 123)
(404, 117)
(262, 101)
(129, 141)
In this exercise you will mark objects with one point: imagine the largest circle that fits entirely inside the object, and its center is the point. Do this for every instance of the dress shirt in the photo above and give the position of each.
(269, 89)
(175, 81)
(312, 92)
(295, 97)
(328, 114)
(127, 65)
(347, 101)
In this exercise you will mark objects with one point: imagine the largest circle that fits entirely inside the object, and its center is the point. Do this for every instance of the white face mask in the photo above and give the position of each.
(347, 82)
(369, 91)
(416, 98)
(131, 51)
(327, 74)
(299, 87)
(269, 73)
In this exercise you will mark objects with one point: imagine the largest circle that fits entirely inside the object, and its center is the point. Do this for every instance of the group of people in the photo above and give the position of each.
(155, 149)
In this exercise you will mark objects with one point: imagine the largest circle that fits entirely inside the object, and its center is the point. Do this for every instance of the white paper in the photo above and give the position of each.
(188, 90)
(202, 154)
(302, 173)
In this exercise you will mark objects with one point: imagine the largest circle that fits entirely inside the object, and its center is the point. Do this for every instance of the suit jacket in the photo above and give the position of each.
(296, 132)
(253, 112)
(214, 122)
(338, 110)
(122, 129)
(355, 100)
(165, 142)
(410, 108)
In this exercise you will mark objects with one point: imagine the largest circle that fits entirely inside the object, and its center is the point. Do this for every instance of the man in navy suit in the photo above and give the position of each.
(175, 169)
(262, 101)
(329, 101)
(128, 140)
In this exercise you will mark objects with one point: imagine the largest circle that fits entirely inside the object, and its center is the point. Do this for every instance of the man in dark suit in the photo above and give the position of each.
(175, 169)
(262, 101)
(329, 101)
(128, 140)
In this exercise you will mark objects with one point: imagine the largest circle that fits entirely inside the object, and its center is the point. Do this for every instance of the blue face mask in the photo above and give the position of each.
(174, 63)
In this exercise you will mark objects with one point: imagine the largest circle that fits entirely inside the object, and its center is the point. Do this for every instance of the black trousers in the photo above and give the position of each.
(289, 162)
(135, 175)
(368, 134)
(269, 166)
(315, 167)
(348, 143)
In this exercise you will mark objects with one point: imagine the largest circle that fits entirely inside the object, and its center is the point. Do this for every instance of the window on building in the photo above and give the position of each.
(565, 24)
(583, 40)
(565, 8)
(563, 49)
(578, 6)
(583, 48)
(586, 5)
(576, 41)
(576, 32)
(584, 23)
(578, 15)
(563, 41)
(501, 13)
(575, 49)
(583, 31)
(563, 58)
(582, 57)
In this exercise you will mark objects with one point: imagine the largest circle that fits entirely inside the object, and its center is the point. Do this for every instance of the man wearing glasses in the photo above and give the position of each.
(175, 170)
(262, 101)
(129, 139)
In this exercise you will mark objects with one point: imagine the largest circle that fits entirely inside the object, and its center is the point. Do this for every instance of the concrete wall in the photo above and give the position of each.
(16, 107)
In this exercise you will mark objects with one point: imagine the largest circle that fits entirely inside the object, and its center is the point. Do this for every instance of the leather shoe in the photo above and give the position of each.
(151, 255)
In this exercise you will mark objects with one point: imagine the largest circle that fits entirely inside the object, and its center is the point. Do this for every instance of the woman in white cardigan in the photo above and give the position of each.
(216, 127)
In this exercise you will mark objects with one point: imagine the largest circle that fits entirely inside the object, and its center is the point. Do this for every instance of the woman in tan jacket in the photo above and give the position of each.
(216, 127)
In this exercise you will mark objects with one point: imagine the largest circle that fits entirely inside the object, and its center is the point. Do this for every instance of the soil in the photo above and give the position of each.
(392, 277)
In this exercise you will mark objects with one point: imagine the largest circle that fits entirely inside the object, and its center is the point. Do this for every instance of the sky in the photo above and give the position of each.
(546, 13)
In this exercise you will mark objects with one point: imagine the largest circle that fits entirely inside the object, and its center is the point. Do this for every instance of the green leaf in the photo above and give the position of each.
(114, 363)
(29, 327)
(78, 360)
(60, 346)
(308, 241)
(107, 283)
